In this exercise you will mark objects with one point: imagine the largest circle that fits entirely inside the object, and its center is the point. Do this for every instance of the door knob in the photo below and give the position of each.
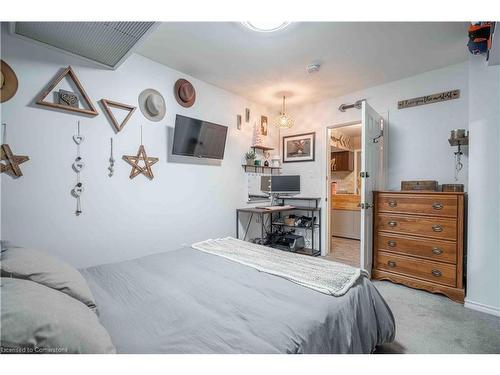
(392, 224)
(437, 228)
(391, 243)
(391, 263)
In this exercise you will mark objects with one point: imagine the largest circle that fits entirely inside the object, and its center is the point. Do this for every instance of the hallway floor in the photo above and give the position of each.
(344, 250)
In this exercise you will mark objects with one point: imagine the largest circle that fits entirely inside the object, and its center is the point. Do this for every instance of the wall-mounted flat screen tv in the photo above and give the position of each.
(199, 138)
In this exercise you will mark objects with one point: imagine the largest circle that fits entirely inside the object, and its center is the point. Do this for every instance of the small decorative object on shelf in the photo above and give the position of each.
(257, 136)
(250, 157)
(257, 162)
(419, 185)
(267, 155)
(67, 103)
(276, 161)
(453, 188)
(12, 161)
(68, 98)
(134, 160)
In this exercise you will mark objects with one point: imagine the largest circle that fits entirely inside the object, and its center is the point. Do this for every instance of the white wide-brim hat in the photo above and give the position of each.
(152, 105)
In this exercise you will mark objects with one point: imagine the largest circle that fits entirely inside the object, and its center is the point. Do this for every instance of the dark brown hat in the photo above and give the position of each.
(184, 93)
(8, 82)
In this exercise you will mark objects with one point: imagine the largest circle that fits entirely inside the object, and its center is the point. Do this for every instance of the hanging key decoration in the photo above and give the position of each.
(77, 166)
(111, 167)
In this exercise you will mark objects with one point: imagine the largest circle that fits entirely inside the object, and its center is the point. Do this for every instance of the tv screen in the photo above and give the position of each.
(199, 138)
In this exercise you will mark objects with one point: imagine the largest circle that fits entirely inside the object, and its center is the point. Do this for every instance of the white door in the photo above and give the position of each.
(371, 178)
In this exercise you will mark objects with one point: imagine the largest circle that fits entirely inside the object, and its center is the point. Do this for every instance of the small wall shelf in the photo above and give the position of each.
(261, 168)
(263, 148)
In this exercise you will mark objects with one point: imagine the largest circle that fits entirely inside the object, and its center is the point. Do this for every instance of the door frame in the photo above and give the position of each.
(328, 183)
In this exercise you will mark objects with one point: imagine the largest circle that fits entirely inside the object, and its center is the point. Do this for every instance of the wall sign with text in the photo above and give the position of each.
(429, 99)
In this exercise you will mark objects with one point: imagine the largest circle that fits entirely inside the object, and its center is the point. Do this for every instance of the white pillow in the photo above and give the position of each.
(37, 319)
(44, 269)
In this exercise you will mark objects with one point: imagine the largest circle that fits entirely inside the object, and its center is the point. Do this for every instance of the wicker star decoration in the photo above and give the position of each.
(12, 161)
(136, 168)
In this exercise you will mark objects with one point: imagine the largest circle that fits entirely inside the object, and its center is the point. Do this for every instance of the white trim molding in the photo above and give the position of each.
(492, 310)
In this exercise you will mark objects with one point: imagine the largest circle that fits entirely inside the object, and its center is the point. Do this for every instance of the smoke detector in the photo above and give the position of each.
(313, 68)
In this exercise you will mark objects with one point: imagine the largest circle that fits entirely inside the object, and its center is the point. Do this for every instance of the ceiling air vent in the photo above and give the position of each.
(107, 43)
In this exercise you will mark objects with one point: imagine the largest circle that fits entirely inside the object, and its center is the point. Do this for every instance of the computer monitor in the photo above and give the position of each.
(282, 185)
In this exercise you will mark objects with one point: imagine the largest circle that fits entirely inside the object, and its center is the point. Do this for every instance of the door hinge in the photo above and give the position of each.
(364, 174)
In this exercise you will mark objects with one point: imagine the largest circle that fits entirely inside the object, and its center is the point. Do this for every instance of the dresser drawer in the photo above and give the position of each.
(439, 273)
(421, 226)
(422, 204)
(442, 251)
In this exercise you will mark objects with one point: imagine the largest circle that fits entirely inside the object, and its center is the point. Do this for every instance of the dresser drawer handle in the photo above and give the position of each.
(436, 273)
(437, 228)
(391, 263)
(437, 251)
(391, 243)
(392, 224)
(393, 204)
(437, 206)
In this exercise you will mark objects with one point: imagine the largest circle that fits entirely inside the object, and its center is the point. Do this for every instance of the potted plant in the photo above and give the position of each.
(250, 156)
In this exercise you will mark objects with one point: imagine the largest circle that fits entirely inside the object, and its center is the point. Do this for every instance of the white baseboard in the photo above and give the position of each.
(482, 307)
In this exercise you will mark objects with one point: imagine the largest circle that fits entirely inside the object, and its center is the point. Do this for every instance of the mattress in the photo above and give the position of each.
(188, 301)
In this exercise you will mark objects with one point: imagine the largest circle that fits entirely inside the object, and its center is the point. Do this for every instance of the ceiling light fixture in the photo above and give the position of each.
(265, 26)
(284, 121)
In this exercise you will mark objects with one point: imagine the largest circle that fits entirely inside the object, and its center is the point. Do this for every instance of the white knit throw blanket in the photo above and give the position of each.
(324, 276)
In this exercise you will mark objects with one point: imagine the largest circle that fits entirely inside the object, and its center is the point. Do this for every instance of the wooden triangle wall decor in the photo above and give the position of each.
(107, 104)
(68, 71)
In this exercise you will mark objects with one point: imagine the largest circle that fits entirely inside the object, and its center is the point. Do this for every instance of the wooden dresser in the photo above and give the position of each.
(419, 240)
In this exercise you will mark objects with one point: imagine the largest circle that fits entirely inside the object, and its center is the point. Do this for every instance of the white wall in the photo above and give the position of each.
(122, 218)
(483, 260)
(418, 137)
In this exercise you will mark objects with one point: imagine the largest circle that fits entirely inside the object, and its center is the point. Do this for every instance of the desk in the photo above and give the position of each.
(273, 225)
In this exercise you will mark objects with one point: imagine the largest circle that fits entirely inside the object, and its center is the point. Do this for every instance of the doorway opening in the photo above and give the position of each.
(356, 165)
(345, 193)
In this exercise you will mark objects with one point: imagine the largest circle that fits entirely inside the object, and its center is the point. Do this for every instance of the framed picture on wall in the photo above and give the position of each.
(300, 147)
(263, 125)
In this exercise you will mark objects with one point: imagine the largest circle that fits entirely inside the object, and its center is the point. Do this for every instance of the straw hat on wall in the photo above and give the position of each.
(8, 82)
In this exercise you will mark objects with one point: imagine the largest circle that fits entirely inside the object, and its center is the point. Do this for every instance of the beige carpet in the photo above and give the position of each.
(429, 323)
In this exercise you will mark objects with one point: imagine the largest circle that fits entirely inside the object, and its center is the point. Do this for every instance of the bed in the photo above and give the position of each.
(190, 301)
